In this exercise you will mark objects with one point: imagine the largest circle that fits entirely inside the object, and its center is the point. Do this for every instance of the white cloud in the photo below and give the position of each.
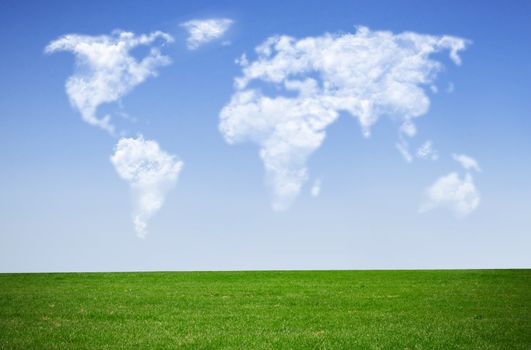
(151, 173)
(426, 151)
(450, 88)
(203, 31)
(403, 148)
(315, 191)
(457, 194)
(367, 75)
(467, 162)
(106, 71)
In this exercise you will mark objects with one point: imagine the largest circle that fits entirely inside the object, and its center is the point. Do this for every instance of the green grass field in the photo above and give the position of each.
(469, 309)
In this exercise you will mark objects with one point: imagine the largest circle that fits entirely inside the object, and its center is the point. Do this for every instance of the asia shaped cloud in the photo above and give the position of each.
(467, 162)
(203, 31)
(367, 74)
(453, 192)
(105, 69)
(150, 172)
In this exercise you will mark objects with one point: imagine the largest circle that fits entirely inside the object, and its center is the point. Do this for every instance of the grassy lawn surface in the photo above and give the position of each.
(467, 309)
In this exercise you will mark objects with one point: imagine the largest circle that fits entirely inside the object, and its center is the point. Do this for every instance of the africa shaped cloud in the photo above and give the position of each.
(106, 71)
(467, 162)
(203, 31)
(453, 192)
(367, 74)
(151, 173)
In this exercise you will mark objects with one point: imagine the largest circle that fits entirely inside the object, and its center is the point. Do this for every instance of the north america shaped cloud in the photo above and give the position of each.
(105, 69)
(367, 74)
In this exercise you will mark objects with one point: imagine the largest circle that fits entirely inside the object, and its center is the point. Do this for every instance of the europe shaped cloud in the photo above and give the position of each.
(150, 172)
(203, 31)
(105, 69)
(452, 192)
(367, 75)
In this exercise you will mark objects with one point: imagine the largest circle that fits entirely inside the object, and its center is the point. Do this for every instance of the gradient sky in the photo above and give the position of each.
(64, 208)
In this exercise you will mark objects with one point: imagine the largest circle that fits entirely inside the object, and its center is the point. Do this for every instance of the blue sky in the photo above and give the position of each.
(65, 206)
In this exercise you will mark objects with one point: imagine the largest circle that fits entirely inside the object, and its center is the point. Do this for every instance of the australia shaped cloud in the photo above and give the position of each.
(105, 69)
(453, 192)
(151, 173)
(367, 74)
(201, 31)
